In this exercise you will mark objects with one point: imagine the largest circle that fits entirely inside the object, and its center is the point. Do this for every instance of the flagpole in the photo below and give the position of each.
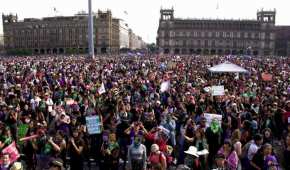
(90, 31)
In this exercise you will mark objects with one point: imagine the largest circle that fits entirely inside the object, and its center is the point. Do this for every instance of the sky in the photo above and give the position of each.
(143, 15)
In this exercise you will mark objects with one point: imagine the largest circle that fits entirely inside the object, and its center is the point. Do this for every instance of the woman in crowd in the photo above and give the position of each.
(137, 155)
(75, 149)
(156, 157)
(230, 154)
(287, 153)
(264, 158)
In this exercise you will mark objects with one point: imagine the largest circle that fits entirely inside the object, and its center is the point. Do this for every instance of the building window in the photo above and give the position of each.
(217, 34)
(213, 43)
(253, 35)
(210, 34)
(224, 34)
(228, 34)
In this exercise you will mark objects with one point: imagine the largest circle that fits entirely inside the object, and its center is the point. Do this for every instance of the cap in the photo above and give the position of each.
(220, 156)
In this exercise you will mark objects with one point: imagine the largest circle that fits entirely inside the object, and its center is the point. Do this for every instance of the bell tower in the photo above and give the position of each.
(267, 16)
(166, 14)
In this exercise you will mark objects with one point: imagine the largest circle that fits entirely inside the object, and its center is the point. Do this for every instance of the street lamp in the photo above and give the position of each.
(90, 31)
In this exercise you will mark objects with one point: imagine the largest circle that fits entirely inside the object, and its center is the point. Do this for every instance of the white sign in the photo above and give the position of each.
(218, 90)
(102, 89)
(165, 86)
(94, 124)
(209, 117)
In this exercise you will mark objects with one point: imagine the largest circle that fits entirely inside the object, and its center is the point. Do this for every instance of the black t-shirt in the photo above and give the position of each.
(287, 159)
(73, 153)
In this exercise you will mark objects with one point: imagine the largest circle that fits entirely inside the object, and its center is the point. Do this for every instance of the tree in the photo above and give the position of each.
(152, 48)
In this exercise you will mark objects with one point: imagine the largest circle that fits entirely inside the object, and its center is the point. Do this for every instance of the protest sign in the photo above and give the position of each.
(267, 77)
(209, 117)
(164, 86)
(102, 89)
(218, 90)
(94, 124)
(12, 151)
(70, 102)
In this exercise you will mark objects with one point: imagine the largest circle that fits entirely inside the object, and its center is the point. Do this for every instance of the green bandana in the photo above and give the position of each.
(214, 126)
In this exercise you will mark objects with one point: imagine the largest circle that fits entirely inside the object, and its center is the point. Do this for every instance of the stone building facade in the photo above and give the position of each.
(135, 41)
(64, 34)
(205, 36)
(282, 45)
(1, 43)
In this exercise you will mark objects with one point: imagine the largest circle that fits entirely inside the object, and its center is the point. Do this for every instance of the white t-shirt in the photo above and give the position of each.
(252, 150)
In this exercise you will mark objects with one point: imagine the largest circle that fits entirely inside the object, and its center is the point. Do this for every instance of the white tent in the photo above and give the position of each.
(227, 67)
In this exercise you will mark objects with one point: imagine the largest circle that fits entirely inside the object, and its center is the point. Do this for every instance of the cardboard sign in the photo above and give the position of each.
(209, 117)
(12, 151)
(102, 89)
(94, 124)
(267, 77)
(164, 86)
(218, 90)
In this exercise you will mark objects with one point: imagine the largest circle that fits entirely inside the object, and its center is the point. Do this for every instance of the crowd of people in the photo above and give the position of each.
(151, 112)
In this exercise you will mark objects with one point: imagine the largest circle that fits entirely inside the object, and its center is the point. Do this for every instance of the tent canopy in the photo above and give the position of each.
(227, 67)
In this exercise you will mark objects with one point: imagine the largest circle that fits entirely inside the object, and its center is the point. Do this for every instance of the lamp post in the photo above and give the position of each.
(90, 31)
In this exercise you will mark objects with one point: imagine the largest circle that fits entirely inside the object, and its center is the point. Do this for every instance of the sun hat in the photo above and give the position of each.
(192, 151)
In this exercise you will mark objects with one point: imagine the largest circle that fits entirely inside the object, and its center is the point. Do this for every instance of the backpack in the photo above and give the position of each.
(245, 149)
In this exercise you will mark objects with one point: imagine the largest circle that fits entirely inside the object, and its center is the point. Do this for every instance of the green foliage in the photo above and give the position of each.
(20, 52)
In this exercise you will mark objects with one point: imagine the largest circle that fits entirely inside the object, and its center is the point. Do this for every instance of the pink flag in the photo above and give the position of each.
(12, 151)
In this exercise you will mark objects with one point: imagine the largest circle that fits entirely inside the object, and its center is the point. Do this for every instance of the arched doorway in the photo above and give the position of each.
(177, 51)
(42, 51)
(36, 51)
(104, 50)
(234, 52)
(61, 51)
(220, 52)
(198, 51)
(255, 53)
(183, 51)
(54, 51)
(213, 52)
(166, 51)
(81, 50)
(48, 51)
(227, 52)
(241, 52)
(206, 52)
(191, 51)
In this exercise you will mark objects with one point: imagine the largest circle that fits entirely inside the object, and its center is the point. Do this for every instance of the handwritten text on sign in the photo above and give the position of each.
(93, 124)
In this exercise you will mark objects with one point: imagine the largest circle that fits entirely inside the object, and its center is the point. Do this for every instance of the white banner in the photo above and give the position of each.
(209, 117)
(218, 90)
